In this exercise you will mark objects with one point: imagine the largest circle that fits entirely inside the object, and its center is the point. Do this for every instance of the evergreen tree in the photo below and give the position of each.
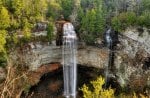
(88, 26)
(67, 6)
(116, 24)
(93, 23)
(80, 14)
(50, 30)
(100, 17)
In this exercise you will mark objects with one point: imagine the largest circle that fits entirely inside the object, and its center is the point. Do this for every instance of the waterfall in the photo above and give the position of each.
(108, 39)
(69, 52)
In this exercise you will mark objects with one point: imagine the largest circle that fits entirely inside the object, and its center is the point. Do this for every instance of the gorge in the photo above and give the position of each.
(131, 59)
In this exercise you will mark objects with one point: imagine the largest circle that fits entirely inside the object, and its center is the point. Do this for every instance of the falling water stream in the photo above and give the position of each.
(69, 52)
(109, 46)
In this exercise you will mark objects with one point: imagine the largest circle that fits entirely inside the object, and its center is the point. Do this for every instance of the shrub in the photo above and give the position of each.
(140, 21)
(131, 18)
(98, 91)
(116, 24)
(143, 20)
(123, 20)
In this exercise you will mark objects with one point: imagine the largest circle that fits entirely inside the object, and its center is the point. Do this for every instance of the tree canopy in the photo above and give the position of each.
(90, 17)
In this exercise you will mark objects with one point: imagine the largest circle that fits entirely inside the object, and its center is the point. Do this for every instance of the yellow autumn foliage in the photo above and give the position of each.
(98, 91)
(2, 40)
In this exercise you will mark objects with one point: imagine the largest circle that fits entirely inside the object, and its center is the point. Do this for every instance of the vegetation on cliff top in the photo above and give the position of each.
(21, 16)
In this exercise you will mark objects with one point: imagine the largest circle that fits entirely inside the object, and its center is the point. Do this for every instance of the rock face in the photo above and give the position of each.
(92, 56)
(129, 59)
(34, 76)
(140, 39)
(89, 56)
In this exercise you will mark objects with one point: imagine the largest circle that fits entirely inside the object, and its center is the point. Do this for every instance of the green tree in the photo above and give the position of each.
(14, 24)
(4, 18)
(34, 10)
(124, 20)
(80, 14)
(27, 33)
(100, 17)
(54, 9)
(90, 21)
(26, 29)
(116, 24)
(17, 7)
(67, 7)
(39, 9)
(143, 20)
(146, 5)
(3, 59)
(88, 26)
(15, 38)
(93, 22)
(131, 18)
(50, 30)
(2, 40)
(4, 24)
(86, 3)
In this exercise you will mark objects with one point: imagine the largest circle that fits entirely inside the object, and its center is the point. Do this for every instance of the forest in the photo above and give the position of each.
(89, 17)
